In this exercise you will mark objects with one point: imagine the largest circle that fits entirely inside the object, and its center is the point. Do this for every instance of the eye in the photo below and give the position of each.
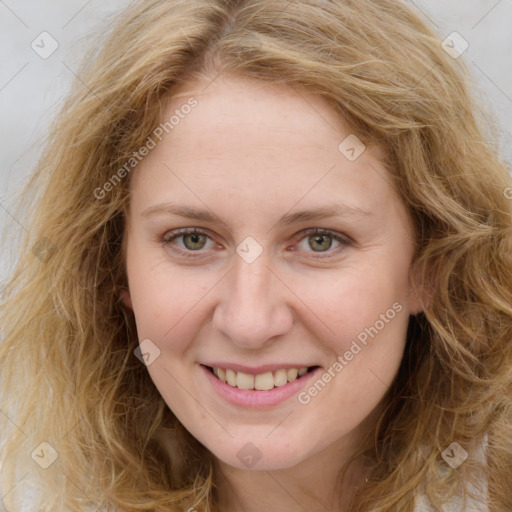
(321, 240)
(193, 240)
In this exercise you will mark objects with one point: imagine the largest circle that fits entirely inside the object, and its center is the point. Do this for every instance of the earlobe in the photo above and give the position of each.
(419, 296)
(126, 298)
(415, 305)
(420, 299)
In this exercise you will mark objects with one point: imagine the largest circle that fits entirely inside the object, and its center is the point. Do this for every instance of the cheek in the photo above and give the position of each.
(353, 300)
(165, 300)
(367, 320)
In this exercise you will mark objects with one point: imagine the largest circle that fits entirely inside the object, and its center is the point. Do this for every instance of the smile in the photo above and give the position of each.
(261, 381)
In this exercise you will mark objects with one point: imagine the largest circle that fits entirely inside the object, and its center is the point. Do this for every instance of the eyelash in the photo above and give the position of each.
(172, 235)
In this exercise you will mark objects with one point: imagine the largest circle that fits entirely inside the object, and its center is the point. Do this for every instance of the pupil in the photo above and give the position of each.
(194, 239)
(318, 239)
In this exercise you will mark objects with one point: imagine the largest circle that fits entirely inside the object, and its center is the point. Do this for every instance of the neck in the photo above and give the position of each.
(315, 484)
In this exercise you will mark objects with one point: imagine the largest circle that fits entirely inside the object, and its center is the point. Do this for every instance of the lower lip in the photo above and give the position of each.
(255, 398)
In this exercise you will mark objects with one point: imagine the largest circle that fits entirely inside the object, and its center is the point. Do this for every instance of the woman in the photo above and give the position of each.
(330, 332)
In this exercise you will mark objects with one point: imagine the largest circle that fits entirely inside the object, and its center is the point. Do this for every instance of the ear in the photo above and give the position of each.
(420, 294)
(126, 298)
(415, 303)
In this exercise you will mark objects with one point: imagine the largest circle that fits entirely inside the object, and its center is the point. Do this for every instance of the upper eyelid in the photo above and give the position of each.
(341, 237)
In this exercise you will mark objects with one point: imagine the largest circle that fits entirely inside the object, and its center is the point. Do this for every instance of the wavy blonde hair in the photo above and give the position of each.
(69, 376)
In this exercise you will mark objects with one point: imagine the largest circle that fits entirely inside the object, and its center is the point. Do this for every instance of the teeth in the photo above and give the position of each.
(244, 380)
(260, 382)
(231, 378)
(280, 378)
(264, 381)
(292, 374)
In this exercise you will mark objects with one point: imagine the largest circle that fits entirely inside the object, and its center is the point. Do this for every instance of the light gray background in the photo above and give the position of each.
(32, 88)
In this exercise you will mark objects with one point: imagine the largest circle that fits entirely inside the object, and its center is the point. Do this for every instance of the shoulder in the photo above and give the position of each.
(423, 504)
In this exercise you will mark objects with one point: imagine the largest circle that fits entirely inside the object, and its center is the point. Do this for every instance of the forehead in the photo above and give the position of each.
(260, 144)
(258, 107)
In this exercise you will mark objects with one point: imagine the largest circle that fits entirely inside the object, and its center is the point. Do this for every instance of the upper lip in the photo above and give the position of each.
(256, 370)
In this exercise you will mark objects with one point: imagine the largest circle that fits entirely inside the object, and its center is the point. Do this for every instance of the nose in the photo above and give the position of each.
(254, 307)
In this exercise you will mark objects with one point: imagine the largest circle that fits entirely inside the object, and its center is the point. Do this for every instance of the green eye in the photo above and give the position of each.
(319, 241)
(313, 241)
(194, 241)
(322, 242)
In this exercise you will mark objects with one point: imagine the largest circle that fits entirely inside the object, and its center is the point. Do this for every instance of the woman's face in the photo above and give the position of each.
(252, 170)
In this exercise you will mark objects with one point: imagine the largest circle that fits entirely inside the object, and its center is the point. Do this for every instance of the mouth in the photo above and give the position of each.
(262, 381)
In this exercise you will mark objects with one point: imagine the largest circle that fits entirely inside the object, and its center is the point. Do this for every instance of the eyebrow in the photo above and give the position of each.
(330, 210)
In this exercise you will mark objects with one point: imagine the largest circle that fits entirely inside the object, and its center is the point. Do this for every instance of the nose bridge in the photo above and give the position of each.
(252, 282)
(252, 309)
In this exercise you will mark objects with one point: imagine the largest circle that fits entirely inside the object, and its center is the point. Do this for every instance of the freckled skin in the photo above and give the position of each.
(250, 153)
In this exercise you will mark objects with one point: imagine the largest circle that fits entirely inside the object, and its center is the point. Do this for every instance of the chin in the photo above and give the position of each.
(259, 456)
